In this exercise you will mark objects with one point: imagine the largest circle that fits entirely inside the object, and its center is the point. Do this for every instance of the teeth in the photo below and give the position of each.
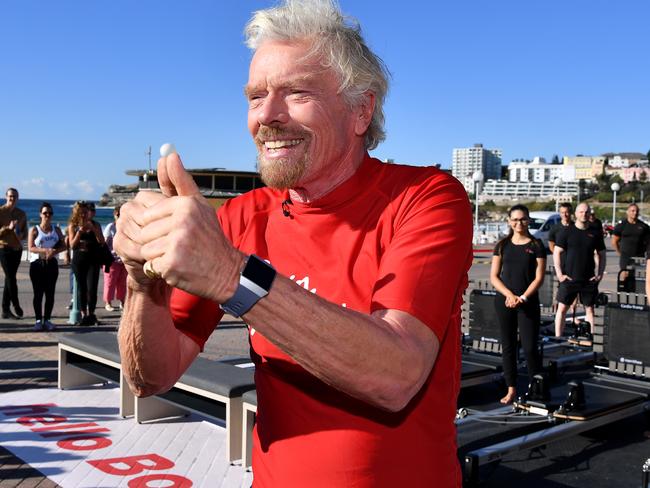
(279, 144)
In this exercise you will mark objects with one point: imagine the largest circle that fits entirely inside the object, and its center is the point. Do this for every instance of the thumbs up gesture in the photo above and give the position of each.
(179, 237)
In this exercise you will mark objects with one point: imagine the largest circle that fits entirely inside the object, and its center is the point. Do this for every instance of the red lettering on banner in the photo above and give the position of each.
(30, 420)
(143, 481)
(71, 443)
(15, 410)
(126, 466)
(64, 427)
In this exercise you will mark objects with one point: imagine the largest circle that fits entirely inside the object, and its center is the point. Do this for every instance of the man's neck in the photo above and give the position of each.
(330, 180)
(581, 225)
(631, 221)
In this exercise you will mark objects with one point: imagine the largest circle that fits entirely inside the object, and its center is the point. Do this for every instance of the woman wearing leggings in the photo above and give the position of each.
(85, 237)
(45, 242)
(517, 272)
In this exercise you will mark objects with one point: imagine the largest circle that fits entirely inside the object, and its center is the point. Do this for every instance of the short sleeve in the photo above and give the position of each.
(424, 269)
(562, 238)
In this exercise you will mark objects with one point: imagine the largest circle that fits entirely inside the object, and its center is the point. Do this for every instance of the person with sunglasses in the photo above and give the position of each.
(45, 242)
(517, 273)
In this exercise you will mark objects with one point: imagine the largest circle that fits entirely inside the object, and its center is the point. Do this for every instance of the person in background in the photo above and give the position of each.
(85, 237)
(115, 279)
(629, 239)
(45, 242)
(582, 269)
(517, 273)
(595, 223)
(13, 230)
(566, 209)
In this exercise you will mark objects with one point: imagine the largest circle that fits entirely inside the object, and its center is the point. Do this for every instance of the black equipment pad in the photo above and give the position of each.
(483, 323)
(602, 399)
(627, 333)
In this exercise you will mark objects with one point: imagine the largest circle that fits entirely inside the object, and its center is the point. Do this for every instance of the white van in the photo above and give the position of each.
(541, 223)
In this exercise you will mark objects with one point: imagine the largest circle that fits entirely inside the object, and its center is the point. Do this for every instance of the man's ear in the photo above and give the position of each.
(364, 113)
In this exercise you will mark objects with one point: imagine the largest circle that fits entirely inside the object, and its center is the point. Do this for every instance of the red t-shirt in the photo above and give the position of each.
(390, 237)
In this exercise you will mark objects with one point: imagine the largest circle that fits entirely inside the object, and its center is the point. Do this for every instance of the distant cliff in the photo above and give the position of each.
(118, 194)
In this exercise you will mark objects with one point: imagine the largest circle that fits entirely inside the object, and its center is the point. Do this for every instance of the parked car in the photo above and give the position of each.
(541, 223)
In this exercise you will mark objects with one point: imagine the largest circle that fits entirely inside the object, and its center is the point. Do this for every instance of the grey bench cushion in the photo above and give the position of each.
(220, 378)
(250, 397)
(101, 344)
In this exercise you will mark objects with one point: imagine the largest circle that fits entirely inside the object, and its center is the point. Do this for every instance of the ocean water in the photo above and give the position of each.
(62, 210)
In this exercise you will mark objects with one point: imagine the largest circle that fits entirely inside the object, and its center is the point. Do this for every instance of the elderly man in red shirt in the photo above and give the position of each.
(349, 272)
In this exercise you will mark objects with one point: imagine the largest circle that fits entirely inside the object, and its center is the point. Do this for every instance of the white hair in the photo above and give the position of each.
(337, 40)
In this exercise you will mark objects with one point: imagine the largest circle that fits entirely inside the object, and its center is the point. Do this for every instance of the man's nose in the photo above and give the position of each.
(274, 110)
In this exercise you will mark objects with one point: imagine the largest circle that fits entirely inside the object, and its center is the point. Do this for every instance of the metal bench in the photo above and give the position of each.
(210, 388)
(85, 358)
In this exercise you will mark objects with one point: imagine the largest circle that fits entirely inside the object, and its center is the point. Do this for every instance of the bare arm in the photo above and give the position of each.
(616, 243)
(557, 264)
(647, 280)
(498, 284)
(154, 353)
(601, 260)
(398, 349)
(74, 236)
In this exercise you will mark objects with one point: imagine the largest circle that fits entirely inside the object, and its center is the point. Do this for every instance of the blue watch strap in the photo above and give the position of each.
(241, 302)
(255, 282)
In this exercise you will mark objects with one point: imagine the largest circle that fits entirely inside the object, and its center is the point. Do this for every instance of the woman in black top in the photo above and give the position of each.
(85, 237)
(517, 273)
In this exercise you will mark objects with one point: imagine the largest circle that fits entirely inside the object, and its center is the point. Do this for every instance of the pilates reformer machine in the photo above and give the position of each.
(612, 391)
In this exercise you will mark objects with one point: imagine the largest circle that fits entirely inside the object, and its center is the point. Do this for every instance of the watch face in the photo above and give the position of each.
(259, 272)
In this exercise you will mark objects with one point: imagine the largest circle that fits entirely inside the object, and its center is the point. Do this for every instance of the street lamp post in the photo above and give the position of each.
(556, 183)
(477, 177)
(615, 187)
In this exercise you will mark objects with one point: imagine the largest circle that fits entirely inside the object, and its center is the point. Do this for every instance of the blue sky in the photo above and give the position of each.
(87, 86)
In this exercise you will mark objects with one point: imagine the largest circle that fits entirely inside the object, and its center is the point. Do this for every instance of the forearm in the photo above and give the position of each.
(557, 262)
(601, 262)
(533, 287)
(500, 286)
(364, 356)
(154, 353)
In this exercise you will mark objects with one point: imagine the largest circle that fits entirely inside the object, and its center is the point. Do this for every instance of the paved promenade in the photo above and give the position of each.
(28, 359)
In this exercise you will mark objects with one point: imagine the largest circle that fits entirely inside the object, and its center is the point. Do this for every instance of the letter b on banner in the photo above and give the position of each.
(130, 465)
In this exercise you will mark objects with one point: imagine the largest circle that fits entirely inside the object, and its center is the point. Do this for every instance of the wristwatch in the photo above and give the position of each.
(255, 282)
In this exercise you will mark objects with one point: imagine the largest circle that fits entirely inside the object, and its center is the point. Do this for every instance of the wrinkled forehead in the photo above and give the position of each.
(280, 63)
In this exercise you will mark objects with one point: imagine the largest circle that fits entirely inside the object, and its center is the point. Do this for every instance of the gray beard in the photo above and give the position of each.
(281, 174)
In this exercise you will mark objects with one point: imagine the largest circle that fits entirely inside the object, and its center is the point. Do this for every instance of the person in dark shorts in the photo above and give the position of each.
(577, 274)
(630, 238)
(517, 273)
(566, 211)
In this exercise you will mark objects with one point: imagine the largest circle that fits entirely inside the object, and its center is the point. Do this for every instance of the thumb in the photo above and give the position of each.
(174, 179)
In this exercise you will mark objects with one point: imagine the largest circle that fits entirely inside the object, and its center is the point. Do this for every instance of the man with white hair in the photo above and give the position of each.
(349, 272)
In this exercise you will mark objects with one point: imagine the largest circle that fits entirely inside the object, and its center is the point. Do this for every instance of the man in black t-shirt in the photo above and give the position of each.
(577, 274)
(566, 209)
(630, 238)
